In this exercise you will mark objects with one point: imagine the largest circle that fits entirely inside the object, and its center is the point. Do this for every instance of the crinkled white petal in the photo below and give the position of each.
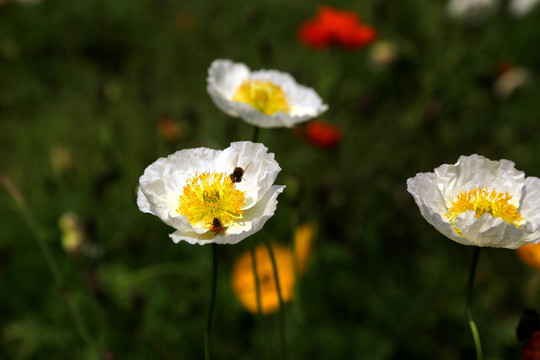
(426, 194)
(476, 171)
(491, 231)
(163, 182)
(434, 193)
(260, 168)
(530, 200)
(225, 76)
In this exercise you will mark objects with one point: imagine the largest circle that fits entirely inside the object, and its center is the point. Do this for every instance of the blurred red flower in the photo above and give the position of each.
(336, 27)
(169, 129)
(532, 349)
(323, 134)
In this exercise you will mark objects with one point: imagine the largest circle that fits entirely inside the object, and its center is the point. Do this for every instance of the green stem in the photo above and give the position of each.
(212, 303)
(258, 293)
(257, 282)
(52, 264)
(281, 305)
(472, 324)
(255, 134)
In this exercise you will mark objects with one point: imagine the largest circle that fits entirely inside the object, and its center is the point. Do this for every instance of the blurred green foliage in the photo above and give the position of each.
(90, 80)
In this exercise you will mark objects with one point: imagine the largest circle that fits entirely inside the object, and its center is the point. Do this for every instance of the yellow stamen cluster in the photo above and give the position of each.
(483, 201)
(264, 96)
(210, 196)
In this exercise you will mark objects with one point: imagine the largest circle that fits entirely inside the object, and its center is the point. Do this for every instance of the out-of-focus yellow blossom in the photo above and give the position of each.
(304, 236)
(530, 255)
(73, 239)
(243, 278)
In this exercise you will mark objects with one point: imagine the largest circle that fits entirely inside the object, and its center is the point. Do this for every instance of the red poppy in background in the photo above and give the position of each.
(323, 134)
(169, 129)
(336, 27)
(532, 349)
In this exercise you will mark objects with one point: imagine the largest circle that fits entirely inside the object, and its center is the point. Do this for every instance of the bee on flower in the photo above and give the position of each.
(264, 98)
(192, 191)
(480, 202)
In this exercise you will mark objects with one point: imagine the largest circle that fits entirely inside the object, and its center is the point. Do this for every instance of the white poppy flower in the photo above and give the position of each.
(480, 202)
(212, 196)
(522, 7)
(264, 98)
(471, 11)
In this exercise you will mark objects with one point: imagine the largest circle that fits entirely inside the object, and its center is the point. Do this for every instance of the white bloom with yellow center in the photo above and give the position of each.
(264, 98)
(195, 192)
(480, 202)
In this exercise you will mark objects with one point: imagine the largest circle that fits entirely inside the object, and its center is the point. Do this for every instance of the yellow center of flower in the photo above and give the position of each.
(210, 196)
(264, 96)
(483, 201)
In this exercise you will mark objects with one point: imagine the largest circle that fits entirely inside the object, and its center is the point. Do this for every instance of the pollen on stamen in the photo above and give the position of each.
(484, 201)
(264, 96)
(208, 197)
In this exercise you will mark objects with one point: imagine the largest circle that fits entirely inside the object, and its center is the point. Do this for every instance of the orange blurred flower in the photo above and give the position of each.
(303, 240)
(323, 134)
(336, 27)
(532, 349)
(243, 279)
(530, 255)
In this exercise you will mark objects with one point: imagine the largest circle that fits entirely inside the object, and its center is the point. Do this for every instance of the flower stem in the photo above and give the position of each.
(258, 294)
(472, 324)
(212, 303)
(281, 305)
(256, 276)
(255, 134)
(54, 268)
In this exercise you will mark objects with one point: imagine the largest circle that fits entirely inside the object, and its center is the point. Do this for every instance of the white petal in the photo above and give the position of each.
(423, 188)
(225, 76)
(476, 171)
(530, 201)
(260, 170)
(491, 231)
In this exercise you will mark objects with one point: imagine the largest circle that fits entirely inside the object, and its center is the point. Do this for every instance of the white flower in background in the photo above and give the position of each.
(383, 54)
(264, 98)
(510, 81)
(471, 11)
(522, 7)
(480, 202)
(212, 196)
